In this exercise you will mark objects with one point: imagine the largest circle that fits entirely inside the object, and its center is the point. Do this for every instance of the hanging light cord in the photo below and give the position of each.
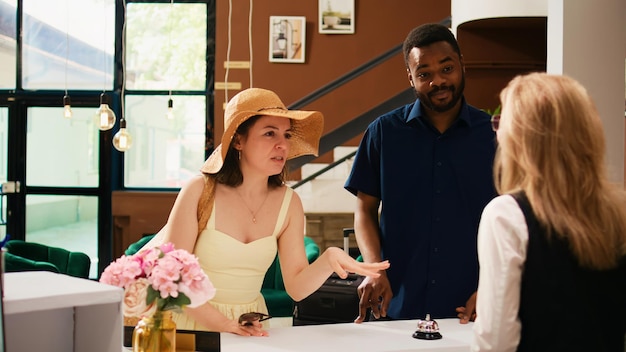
(230, 16)
(169, 46)
(250, 41)
(67, 39)
(123, 61)
(104, 48)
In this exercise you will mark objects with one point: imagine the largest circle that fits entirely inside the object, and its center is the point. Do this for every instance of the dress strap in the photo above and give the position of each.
(282, 214)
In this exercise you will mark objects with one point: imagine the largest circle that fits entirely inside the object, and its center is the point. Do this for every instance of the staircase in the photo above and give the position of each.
(325, 194)
(328, 207)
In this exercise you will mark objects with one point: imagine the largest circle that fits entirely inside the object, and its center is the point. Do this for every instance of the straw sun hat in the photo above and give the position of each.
(306, 125)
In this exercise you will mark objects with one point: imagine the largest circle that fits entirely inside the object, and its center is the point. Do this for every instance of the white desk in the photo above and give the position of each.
(52, 312)
(378, 336)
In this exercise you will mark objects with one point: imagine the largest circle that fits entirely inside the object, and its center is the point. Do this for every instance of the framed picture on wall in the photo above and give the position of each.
(336, 16)
(287, 38)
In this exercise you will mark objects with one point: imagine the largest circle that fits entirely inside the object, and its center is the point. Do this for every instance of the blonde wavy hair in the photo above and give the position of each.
(552, 146)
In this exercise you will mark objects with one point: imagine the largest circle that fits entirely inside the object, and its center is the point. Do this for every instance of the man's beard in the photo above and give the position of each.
(427, 102)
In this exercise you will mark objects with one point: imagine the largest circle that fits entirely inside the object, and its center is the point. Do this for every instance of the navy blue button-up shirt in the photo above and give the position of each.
(433, 187)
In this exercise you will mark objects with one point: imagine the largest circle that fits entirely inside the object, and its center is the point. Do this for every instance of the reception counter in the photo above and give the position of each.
(50, 312)
(377, 336)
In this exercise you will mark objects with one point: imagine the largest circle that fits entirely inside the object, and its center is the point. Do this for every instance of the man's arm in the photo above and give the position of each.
(374, 293)
(366, 227)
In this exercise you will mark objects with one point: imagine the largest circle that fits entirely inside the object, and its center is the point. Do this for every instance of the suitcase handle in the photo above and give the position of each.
(346, 238)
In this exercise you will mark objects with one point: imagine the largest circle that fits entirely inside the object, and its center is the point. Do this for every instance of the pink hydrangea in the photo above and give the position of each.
(168, 278)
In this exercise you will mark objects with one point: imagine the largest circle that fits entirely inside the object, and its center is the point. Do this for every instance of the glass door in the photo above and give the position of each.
(4, 191)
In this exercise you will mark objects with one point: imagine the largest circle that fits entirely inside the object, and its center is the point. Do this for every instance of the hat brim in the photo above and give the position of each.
(307, 127)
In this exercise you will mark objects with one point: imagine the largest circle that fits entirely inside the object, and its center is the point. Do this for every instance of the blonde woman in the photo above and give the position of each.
(552, 246)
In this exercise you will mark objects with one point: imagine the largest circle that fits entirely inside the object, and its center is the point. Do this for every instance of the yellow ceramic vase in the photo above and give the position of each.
(155, 334)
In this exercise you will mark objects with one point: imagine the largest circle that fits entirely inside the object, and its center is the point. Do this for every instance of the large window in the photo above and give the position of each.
(166, 50)
(61, 152)
(8, 49)
(67, 167)
(66, 45)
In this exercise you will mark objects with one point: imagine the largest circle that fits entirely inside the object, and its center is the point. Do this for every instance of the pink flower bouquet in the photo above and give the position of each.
(159, 279)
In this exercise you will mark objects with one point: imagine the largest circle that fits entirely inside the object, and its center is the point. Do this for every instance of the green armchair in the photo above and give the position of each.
(14, 263)
(135, 247)
(278, 302)
(30, 256)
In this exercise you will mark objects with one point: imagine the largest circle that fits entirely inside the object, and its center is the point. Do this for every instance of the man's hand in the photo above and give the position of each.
(467, 313)
(374, 293)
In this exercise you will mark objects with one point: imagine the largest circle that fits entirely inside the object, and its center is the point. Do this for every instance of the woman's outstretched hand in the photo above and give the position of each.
(343, 264)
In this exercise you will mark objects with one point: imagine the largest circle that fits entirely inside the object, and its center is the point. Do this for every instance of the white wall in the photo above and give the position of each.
(587, 41)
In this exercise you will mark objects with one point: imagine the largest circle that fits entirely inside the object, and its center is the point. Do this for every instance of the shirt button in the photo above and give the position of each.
(435, 249)
(439, 163)
(438, 191)
(437, 219)
(433, 281)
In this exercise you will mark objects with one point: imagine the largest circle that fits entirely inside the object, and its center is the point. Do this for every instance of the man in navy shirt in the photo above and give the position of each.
(430, 165)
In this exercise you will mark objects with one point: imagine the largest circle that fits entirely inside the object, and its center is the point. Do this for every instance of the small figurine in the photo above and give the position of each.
(427, 329)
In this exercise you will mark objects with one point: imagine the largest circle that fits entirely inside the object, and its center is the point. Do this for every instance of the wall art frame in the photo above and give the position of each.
(287, 39)
(336, 16)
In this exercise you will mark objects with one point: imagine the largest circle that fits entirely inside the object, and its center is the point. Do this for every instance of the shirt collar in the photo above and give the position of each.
(417, 114)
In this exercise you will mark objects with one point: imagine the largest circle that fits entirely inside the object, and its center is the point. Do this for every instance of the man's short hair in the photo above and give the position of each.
(427, 34)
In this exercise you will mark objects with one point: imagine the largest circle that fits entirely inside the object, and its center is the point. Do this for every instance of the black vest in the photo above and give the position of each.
(564, 307)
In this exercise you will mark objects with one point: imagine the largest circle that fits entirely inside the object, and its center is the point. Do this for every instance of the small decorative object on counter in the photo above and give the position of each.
(156, 333)
(157, 281)
(427, 329)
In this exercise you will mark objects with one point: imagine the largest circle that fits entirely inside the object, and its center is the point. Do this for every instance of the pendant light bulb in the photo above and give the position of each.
(122, 140)
(67, 107)
(105, 117)
(170, 109)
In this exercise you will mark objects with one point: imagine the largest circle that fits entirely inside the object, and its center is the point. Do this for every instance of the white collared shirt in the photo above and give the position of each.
(502, 246)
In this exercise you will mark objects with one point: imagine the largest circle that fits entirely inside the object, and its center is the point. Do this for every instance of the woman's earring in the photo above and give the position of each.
(239, 152)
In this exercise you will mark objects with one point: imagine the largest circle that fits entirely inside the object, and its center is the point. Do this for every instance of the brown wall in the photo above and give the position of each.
(379, 26)
(136, 214)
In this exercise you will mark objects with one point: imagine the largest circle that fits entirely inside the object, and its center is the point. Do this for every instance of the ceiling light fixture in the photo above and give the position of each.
(67, 106)
(105, 116)
(170, 102)
(170, 108)
(122, 140)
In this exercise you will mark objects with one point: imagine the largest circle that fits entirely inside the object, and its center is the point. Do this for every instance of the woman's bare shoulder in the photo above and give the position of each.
(193, 187)
(295, 205)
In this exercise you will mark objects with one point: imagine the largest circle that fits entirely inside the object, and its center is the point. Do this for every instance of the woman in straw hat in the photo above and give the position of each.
(552, 247)
(239, 213)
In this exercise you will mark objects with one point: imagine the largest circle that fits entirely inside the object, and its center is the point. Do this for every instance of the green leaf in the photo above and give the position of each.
(151, 295)
(181, 300)
(494, 112)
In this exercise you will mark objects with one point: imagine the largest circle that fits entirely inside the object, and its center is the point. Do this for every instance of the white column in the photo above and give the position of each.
(587, 41)
(465, 10)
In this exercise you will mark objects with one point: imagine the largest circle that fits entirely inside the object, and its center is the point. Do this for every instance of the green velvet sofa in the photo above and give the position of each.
(31, 256)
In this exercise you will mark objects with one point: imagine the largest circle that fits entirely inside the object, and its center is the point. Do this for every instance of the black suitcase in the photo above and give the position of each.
(336, 301)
